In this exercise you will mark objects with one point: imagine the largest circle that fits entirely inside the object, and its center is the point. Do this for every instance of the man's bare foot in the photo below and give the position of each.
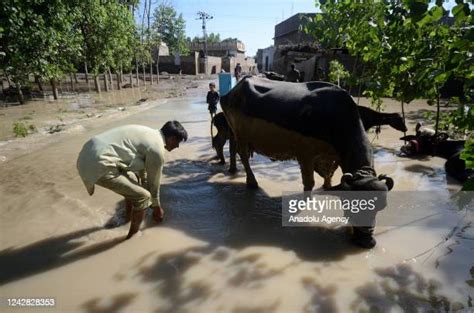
(137, 217)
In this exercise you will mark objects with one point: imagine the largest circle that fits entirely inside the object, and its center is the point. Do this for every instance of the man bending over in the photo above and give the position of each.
(106, 159)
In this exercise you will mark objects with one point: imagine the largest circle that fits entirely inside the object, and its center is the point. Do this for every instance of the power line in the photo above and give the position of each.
(204, 17)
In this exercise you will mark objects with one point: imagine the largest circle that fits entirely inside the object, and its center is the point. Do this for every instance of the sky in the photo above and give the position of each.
(251, 21)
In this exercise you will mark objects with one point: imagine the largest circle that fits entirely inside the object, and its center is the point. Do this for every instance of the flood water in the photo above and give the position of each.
(221, 247)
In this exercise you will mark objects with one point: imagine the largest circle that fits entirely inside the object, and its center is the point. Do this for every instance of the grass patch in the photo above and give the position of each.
(20, 129)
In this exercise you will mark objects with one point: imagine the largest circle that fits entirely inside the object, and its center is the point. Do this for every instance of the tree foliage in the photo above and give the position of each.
(337, 72)
(171, 28)
(49, 38)
(408, 49)
(39, 38)
(211, 38)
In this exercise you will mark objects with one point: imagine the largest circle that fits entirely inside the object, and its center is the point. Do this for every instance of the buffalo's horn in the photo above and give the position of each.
(418, 126)
(388, 181)
(346, 178)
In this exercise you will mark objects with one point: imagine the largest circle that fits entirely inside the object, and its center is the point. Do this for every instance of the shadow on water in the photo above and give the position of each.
(401, 287)
(237, 226)
(424, 169)
(170, 274)
(230, 219)
(114, 305)
(230, 214)
(47, 254)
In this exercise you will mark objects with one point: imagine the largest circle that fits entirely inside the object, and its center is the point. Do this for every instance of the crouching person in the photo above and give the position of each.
(106, 159)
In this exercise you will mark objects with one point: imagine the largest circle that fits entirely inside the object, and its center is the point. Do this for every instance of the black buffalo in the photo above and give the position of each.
(426, 142)
(316, 123)
(369, 117)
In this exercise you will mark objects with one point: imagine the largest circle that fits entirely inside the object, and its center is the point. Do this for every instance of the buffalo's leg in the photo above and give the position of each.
(233, 153)
(307, 169)
(218, 143)
(326, 171)
(244, 157)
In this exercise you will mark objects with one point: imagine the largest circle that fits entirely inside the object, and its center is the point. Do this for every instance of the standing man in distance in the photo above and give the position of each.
(293, 75)
(238, 72)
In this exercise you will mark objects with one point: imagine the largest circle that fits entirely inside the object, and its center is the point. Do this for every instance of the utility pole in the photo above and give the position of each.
(204, 17)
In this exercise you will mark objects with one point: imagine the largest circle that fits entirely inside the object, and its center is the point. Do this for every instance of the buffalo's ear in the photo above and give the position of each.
(388, 181)
(408, 138)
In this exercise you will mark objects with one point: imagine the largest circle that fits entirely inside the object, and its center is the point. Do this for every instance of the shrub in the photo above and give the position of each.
(20, 129)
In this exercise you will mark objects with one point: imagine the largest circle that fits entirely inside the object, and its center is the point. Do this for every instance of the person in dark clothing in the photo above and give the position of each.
(293, 75)
(212, 99)
(238, 72)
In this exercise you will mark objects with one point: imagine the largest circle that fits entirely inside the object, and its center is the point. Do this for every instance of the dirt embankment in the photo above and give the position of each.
(23, 128)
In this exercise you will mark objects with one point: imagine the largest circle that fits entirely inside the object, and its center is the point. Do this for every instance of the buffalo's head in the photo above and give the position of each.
(397, 122)
(365, 179)
(422, 144)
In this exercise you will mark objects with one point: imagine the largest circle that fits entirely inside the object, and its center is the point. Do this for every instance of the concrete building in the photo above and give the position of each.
(288, 32)
(220, 56)
(225, 48)
(265, 59)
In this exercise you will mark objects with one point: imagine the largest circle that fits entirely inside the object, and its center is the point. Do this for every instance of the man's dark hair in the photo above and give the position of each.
(174, 128)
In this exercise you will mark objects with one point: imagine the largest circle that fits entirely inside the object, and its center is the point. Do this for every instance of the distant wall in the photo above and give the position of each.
(248, 64)
(214, 65)
(189, 64)
(193, 65)
(307, 69)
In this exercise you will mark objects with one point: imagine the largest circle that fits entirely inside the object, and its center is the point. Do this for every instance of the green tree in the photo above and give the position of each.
(108, 32)
(39, 38)
(405, 50)
(337, 72)
(211, 38)
(171, 28)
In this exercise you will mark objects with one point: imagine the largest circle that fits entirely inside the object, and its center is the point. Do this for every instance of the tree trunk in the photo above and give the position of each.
(72, 81)
(144, 76)
(87, 72)
(158, 68)
(38, 82)
(8, 81)
(110, 78)
(106, 82)
(97, 83)
(119, 86)
(131, 78)
(360, 84)
(21, 98)
(54, 87)
(75, 78)
(136, 73)
(354, 68)
(437, 111)
(151, 73)
(403, 115)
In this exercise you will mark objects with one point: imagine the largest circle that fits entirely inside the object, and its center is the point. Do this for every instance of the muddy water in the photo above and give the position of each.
(221, 247)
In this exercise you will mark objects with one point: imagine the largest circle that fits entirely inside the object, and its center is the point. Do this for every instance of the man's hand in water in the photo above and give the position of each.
(158, 213)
